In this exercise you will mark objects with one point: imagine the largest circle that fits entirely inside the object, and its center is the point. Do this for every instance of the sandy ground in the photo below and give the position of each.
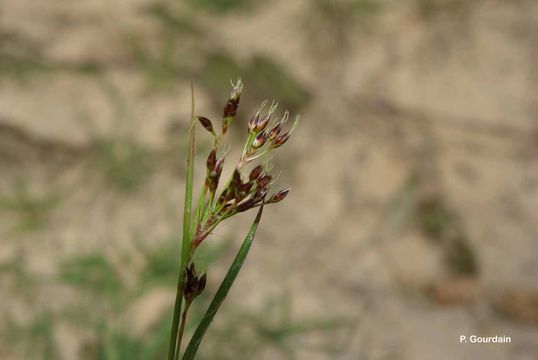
(407, 108)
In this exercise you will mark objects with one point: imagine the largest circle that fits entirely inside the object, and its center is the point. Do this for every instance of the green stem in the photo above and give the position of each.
(182, 327)
(186, 241)
(175, 322)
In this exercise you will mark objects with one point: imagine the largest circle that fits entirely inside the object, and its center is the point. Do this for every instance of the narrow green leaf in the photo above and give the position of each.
(224, 287)
(185, 245)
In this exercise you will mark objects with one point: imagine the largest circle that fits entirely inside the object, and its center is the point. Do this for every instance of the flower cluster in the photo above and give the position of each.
(241, 192)
(194, 284)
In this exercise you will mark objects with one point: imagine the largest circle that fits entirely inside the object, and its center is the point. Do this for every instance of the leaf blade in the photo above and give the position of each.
(223, 290)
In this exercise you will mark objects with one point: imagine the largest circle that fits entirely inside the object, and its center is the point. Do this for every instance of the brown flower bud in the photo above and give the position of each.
(245, 188)
(194, 285)
(252, 123)
(275, 131)
(262, 123)
(261, 193)
(211, 160)
(263, 181)
(255, 173)
(244, 206)
(230, 109)
(206, 123)
(279, 196)
(190, 281)
(280, 140)
(259, 140)
(214, 174)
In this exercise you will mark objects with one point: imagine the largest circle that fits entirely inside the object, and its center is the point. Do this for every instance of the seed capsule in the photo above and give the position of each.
(244, 206)
(245, 188)
(206, 123)
(280, 140)
(214, 175)
(263, 181)
(279, 196)
(275, 131)
(259, 140)
(260, 194)
(252, 123)
(230, 109)
(211, 160)
(255, 173)
(262, 123)
(194, 285)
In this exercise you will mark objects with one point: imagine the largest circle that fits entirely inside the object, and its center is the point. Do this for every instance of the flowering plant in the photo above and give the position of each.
(239, 194)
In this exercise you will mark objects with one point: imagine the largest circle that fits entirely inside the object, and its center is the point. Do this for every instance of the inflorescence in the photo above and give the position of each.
(241, 192)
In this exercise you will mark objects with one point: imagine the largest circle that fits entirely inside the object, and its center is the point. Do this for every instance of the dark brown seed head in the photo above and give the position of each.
(211, 160)
(275, 131)
(263, 181)
(214, 175)
(279, 196)
(194, 285)
(245, 188)
(255, 173)
(280, 140)
(206, 123)
(260, 194)
(259, 140)
(262, 123)
(230, 109)
(244, 206)
(190, 281)
(252, 123)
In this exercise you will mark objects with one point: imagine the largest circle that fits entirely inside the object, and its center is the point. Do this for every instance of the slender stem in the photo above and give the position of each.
(173, 350)
(182, 326)
(175, 322)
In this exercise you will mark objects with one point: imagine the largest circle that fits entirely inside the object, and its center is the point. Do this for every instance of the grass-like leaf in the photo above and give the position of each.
(223, 290)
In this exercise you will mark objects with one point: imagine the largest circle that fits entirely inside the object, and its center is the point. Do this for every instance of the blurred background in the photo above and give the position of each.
(413, 216)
